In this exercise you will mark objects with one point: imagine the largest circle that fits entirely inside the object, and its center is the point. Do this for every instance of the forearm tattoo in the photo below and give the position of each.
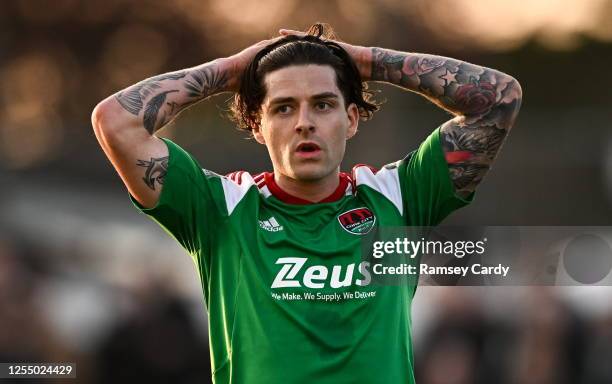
(485, 101)
(132, 99)
(160, 98)
(205, 81)
(155, 171)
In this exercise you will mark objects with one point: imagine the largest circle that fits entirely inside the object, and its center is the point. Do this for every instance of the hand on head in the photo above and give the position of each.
(361, 55)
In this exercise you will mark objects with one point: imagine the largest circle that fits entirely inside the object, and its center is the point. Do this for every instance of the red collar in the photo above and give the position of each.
(276, 191)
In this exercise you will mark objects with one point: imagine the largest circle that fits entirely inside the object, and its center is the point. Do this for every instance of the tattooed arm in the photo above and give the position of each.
(485, 102)
(125, 123)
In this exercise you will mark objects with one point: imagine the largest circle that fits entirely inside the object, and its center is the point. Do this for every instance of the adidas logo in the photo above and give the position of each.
(270, 225)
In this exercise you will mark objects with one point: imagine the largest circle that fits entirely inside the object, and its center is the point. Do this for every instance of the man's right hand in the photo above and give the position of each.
(242, 59)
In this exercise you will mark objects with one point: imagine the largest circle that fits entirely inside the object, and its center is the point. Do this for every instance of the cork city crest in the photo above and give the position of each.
(358, 221)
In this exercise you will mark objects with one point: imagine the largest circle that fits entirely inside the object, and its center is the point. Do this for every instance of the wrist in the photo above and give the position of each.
(362, 56)
(228, 66)
(365, 63)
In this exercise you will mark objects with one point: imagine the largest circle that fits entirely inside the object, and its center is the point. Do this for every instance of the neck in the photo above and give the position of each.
(313, 191)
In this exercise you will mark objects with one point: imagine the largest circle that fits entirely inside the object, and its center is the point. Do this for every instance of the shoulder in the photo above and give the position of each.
(385, 181)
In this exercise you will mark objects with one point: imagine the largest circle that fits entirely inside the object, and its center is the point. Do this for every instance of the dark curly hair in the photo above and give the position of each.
(315, 47)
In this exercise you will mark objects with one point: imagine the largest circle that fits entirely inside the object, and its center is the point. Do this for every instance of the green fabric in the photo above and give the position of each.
(259, 332)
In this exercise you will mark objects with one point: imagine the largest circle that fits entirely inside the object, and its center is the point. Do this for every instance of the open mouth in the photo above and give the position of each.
(308, 148)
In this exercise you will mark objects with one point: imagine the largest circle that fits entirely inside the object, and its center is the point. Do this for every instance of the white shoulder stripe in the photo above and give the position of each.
(349, 189)
(265, 191)
(234, 192)
(386, 181)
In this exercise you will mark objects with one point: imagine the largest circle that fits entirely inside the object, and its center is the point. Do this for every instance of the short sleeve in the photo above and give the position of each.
(427, 190)
(187, 207)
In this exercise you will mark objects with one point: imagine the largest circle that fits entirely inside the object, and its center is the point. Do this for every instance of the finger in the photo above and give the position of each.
(286, 32)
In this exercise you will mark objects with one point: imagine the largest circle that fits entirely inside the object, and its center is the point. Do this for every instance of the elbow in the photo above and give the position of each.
(109, 122)
(105, 116)
(96, 118)
(513, 92)
(508, 87)
(516, 98)
(511, 96)
(101, 117)
(517, 90)
(102, 124)
(114, 127)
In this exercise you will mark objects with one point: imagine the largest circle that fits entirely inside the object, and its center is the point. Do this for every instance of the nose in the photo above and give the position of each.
(304, 124)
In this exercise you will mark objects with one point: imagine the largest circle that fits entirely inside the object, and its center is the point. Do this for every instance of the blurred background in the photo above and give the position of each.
(85, 278)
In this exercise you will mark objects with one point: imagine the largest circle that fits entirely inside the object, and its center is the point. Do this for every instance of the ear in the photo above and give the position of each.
(258, 135)
(353, 116)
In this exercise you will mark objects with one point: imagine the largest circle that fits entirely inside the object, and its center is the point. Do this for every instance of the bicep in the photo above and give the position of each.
(427, 191)
(142, 167)
(469, 151)
(471, 143)
(140, 159)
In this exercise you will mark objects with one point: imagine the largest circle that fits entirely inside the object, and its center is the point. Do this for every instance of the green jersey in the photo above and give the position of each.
(289, 297)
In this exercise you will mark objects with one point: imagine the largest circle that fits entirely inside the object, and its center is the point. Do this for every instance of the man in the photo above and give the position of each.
(288, 296)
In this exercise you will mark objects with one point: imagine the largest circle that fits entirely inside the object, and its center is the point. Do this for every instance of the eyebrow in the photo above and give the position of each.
(318, 96)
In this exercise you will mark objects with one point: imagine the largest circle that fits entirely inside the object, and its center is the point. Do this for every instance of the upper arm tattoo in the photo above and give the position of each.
(472, 141)
(155, 171)
(485, 101)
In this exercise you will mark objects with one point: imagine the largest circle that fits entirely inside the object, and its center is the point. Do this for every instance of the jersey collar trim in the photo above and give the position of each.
(344, 188)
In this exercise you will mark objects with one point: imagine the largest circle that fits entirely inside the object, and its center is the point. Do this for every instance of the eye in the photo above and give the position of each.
(283, 109)
(323, 105)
